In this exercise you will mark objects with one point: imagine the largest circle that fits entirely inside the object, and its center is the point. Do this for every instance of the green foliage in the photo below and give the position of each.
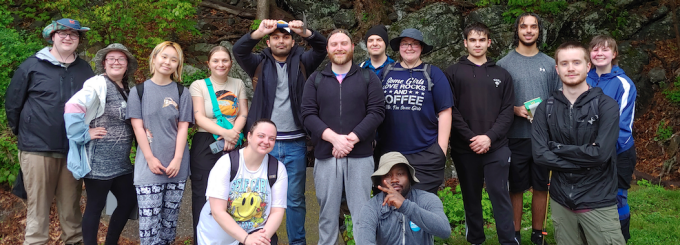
(663, 131)
(15, 47)
(654, 214)
(673, 94)
(255, 25)
(453, 208)
(348, 235)
(518, 7)
(187, 79)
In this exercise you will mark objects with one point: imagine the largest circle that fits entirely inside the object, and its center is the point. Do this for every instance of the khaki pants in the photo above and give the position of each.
(596, 227)
(44, 179)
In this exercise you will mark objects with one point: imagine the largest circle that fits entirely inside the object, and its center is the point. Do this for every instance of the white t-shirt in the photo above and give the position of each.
(250, 199)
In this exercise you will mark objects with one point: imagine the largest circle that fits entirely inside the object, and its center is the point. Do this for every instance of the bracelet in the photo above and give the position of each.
(244, 239)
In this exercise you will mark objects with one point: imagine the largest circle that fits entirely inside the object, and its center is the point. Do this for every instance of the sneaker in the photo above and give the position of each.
(537, 238)
(518, 237)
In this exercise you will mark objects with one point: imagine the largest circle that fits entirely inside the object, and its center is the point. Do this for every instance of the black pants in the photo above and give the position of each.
(97, 190)
(473, 171)
(429, 165)
(201, 162)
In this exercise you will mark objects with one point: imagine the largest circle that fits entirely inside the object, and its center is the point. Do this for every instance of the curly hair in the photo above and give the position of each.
(515, 28)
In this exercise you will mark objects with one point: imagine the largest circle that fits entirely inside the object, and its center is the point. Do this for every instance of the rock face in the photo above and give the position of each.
(441, 27)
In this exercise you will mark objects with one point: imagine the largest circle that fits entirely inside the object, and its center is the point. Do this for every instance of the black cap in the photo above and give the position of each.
(379, 30)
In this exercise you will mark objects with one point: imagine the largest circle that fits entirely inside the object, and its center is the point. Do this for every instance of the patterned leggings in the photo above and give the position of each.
(158, 211)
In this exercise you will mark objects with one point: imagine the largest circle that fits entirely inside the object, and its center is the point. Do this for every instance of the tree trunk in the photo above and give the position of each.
(674, 6)
(262, 9)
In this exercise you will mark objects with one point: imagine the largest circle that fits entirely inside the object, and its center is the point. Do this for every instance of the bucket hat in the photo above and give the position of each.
(412, 33)
(387, 161)
(101, 55)
(62, 24)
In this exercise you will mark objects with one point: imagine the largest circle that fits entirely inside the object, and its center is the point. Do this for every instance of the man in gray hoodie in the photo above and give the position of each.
(399, 214)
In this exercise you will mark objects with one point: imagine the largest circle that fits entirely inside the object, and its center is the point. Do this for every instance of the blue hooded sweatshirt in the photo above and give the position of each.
(618, 86)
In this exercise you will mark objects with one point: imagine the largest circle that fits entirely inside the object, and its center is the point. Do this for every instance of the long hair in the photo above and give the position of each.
(605, 41)
(177, 75)
(515, 28)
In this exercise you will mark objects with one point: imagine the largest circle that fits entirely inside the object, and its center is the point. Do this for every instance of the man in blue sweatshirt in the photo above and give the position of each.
(376, 45)
(399, 214)
(606, 74)
(483, 97)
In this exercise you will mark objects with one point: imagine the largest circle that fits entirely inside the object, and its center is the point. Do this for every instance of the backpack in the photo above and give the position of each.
(140, 90)
(365, 73)
(272, 167)
(427, 69)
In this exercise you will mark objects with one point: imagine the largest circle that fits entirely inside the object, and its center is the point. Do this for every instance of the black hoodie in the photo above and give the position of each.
(579, 146)
(483, 98)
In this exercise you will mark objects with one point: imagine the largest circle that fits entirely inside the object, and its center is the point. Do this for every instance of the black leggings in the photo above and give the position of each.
(123, 189)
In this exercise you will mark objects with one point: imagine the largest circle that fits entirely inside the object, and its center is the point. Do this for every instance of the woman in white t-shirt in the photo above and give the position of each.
(245, 209)
(232, 104)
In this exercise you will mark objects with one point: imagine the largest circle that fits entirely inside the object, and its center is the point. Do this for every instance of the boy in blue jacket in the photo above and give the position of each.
(606, 74)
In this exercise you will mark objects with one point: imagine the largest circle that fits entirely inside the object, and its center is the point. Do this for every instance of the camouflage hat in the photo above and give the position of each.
(101, 55)
(62, 24)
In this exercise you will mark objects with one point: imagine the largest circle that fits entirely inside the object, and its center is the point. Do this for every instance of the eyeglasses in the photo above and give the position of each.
(112, 61)
(72, 35)
(413, 45)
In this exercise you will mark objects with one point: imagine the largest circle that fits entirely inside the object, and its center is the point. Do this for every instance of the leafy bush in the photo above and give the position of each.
(455, 212)
(663, 131)
(15, 47)
(518, 7)
(673, 93)
(348, 235)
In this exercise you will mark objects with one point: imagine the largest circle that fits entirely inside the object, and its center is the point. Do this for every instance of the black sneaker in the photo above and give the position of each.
(518, 237)
(537, 238)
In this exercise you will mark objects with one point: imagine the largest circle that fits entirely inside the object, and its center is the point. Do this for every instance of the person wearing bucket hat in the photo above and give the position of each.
(282, 70)
(34, 105)
(376, 45)
(417, 112)
(100, 139)
(383, 218)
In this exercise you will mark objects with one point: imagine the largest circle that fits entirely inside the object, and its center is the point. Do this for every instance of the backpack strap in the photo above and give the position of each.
(317, 79)
(303, 70)
(366, 73)
(549, 107)
(140, 90)
(272, 170)
(427, 71)
(233, 157)
(180, 90)
(595, 105)
(386, 70)
(272, 167)
(258, 73)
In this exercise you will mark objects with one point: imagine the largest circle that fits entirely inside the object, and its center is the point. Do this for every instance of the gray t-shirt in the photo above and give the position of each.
(161, 109)
(110, 156)
(282, 113)
(532, 77)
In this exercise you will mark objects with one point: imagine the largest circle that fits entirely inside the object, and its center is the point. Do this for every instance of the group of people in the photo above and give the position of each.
(248, 163)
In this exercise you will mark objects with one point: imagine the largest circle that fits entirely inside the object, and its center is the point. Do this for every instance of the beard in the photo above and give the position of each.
(528, 44)
(341, 61)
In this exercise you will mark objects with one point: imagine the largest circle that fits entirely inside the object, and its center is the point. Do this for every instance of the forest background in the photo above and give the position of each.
(647, 31)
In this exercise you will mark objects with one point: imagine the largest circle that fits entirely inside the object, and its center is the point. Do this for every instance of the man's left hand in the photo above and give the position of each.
(480, 144)
(299, 28)
(392, 196)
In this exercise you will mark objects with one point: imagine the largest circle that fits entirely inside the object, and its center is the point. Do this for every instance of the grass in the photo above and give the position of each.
(655, 218)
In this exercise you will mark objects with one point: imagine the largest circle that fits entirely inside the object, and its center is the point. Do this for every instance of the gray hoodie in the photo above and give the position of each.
(419, 218)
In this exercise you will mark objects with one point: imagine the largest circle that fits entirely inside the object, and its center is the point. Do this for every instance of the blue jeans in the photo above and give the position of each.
(292, 154)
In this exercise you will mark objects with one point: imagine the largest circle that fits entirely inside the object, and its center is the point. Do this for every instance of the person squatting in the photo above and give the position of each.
(384, 125)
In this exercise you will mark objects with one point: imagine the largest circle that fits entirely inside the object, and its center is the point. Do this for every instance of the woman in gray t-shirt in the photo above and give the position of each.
(102, 138)
(161, 116)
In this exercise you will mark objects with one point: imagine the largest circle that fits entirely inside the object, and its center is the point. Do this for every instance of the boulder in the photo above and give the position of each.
(321, 25)
(501, 32)
(632, 59)
(315, 10)
(189, 69)
(345, 18)
(657, 75)
(203, 48)
(673, 145)
(440, 24)
(661, 29)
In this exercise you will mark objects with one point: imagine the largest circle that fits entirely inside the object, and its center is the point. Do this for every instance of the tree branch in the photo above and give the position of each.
(229, 9)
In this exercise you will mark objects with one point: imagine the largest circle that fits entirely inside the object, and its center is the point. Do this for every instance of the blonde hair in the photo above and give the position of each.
(177, 75)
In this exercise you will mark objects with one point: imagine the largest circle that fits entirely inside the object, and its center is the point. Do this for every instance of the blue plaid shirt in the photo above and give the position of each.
(367, 64)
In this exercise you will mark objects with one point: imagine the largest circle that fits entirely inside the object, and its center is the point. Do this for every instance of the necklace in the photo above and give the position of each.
(407, 66)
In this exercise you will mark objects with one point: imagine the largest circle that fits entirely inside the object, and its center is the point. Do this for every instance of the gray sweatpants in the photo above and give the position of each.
(330, 175)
